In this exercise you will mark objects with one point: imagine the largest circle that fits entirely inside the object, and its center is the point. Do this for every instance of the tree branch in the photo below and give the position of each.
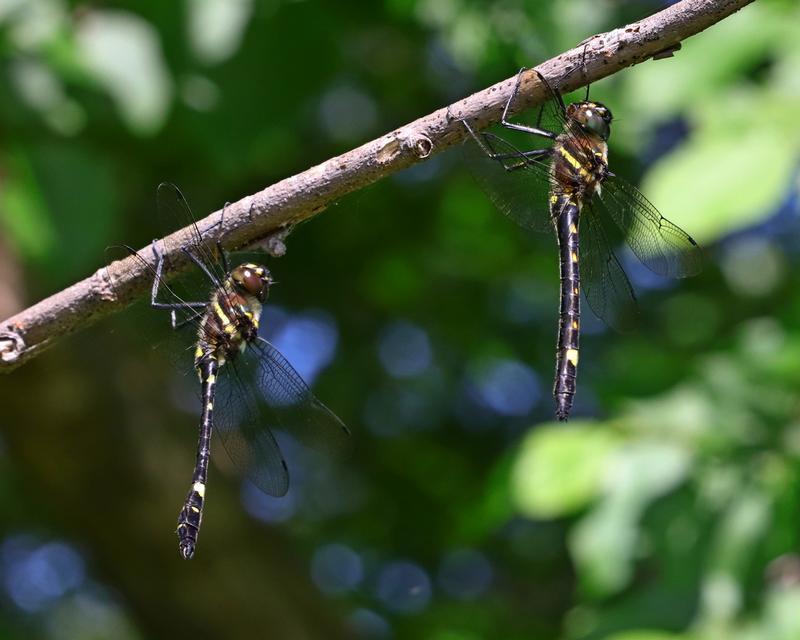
(273, 210)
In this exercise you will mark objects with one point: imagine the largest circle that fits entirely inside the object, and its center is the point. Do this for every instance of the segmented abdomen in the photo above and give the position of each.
(565, 209)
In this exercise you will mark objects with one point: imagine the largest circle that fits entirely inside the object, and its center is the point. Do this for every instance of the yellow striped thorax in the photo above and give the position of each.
(232, 317)
(580, 161)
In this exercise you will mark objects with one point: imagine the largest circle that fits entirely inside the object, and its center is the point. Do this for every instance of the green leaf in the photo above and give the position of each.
(644, 634)
(603, 546)
(662, 89)
(733, 169)
(604, 543)
(559, 469)
(23, 209)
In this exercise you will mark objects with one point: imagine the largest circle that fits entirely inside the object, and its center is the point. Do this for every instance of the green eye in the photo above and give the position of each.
(598, 126)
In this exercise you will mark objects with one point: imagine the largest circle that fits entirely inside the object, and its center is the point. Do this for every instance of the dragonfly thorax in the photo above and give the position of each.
(232, 317)
(580, 164)
(580, 155)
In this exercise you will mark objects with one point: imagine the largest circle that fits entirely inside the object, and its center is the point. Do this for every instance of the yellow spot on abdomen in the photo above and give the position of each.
(574, 256)
(572, 357)
(573, 228)
(200, 488)
(574, 324)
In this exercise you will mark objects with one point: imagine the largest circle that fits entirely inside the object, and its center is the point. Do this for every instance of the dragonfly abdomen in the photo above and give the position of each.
(565, 207)
(230, 321)
(191, 514)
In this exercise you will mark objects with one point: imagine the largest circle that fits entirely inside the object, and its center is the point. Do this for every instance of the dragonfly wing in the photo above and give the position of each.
(607, 288)
(662, 246)
(296, 410)
(245, 431)
(517, 185)
(174, 213)
(273, 397)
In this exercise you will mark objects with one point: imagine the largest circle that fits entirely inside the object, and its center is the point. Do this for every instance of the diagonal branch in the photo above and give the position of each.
(275, 209)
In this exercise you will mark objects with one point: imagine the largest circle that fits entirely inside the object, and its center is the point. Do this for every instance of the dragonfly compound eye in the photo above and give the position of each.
(598, 125)
(253, 279)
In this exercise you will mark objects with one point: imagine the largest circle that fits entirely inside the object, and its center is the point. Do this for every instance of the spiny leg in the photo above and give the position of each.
(583, 69)
(173, 308)
(522, 157)
(553, 93)
(521, 127)
(201, 265)
(223, 255)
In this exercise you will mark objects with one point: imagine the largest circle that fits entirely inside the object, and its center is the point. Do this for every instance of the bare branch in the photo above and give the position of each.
(269, 212)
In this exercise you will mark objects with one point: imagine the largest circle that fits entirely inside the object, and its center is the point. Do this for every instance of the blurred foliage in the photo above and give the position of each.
(666, 510)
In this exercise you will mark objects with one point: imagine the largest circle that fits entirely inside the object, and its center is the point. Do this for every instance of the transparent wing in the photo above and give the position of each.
(176, 214)
(263, 392)
(516, 181)
(662, 246)
(292, 404)
(246, 436)
(607, 288)
(517, 185)
(188, 309)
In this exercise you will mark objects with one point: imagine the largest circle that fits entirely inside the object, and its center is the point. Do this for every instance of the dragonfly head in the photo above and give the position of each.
(252, 279)
(592, 117)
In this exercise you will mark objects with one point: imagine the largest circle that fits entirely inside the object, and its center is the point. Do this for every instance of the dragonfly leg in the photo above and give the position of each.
(173, 308)
(226, 264)
(521, 127)
(583, 70)
(220, 249)
(522, 158)
(553, 93)
(199, 264)
(218, 243)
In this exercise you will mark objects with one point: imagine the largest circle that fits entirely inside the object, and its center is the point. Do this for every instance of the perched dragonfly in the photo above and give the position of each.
(563, 184)
(248, 389)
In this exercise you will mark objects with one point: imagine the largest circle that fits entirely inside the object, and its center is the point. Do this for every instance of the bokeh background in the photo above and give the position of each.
(666, 509)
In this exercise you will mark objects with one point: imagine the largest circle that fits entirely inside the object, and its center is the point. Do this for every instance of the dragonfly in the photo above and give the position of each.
(248, 388)
(566, 185)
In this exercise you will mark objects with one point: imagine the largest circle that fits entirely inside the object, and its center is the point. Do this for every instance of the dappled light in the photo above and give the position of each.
(386, 460)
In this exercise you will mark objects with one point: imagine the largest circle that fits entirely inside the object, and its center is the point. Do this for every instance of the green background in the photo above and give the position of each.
(666, 509)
